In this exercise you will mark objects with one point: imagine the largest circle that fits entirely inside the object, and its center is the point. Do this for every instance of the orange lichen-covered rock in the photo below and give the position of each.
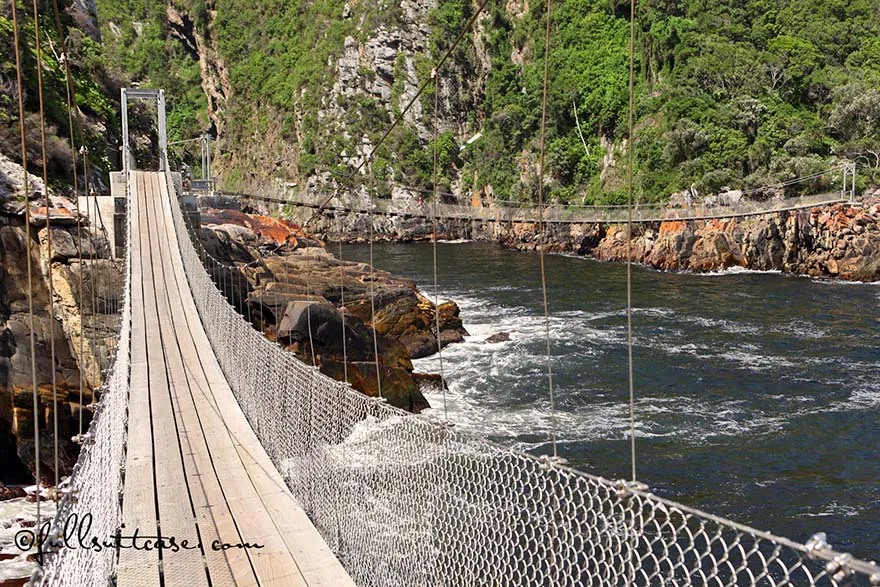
(271, 229)
(670, 226)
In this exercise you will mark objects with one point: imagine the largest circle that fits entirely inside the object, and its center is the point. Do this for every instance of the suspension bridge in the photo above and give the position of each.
(216, 457)
(210, 435)
(551, 214)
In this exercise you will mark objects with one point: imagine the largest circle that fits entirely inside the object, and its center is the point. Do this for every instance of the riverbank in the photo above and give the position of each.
(839, 241)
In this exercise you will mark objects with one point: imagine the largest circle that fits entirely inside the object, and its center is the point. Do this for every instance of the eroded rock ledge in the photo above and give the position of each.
(839, 241)
(289, 286)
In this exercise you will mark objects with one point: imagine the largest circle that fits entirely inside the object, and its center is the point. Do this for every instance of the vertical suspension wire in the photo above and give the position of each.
(629, 225)
(93, 255)
(28, 249)
(39, 55)
(342, 301)
(309, 312)
(373, 281)
(74, 129)
(434, 205)
(542, 237)
(93, 252)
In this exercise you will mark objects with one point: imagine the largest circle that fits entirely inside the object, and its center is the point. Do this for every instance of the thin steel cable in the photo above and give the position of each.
(629, 223)
(73, 125)
(542, 240)
(373, 289)
(342, 302)
(39, 55)
(93, 253)
(28, 249)
(309, 312)
(434, 243)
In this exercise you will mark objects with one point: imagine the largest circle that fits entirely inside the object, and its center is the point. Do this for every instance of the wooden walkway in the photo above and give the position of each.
(195, 475)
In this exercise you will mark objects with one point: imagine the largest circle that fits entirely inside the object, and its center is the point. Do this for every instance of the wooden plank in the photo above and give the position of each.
(272, 563)
(138, 567)
(215, 523)
(313, 558)
(184, 567)
(212, 474)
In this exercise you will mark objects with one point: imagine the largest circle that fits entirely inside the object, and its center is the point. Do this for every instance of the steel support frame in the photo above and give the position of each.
(138, 94)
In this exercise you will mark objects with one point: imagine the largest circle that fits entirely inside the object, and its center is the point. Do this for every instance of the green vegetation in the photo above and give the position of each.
(92, 83)
(745, 93)
(727, 93)
(142, 47)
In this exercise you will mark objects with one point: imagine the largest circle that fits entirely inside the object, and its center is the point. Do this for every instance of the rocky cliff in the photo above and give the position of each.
(840, 241)
(90, 328)
(836, 241)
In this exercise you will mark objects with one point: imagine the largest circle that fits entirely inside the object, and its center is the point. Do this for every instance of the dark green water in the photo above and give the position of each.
(757, 394)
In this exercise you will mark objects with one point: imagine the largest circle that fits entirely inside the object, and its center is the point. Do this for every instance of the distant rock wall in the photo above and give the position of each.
(839, 241)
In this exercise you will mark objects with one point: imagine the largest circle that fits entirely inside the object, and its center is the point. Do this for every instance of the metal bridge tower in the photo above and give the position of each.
(849, 187)
(128, 162)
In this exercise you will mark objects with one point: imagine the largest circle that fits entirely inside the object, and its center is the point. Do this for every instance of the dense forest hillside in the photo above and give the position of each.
(730, 92)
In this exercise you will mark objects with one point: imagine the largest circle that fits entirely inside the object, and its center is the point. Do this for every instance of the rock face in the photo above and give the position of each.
(90, 329)
(288, 285)
(841, 241)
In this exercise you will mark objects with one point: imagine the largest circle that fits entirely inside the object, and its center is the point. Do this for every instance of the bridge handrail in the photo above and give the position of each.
(91, 498)
(408, 500)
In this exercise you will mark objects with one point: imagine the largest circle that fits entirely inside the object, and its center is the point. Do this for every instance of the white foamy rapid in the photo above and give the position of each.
(499, 389)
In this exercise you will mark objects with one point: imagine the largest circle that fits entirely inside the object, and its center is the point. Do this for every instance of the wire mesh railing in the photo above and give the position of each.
(406, 500)
(90, 505)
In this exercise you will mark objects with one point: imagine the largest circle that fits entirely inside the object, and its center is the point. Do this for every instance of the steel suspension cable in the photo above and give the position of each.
(71, 101)
(28, 249)
(541, 238)
(435, 202)
(93, 253)
(342, 303)
(629, 224)
(309, 311)
(39, 55)
(373, 287)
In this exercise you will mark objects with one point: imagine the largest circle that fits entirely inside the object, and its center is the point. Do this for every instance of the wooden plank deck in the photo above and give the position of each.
(195, 470)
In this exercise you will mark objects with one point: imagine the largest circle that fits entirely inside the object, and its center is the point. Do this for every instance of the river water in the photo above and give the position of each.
(757, 394)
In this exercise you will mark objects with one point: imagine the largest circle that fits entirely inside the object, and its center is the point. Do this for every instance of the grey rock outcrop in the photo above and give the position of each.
(301, 296)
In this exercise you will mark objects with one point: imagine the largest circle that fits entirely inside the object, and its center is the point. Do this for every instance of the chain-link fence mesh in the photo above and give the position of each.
(405, 500)
(91, 502)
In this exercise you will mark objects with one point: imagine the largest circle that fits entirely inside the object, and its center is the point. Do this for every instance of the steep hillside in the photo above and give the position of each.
(728, 93)
(97, 90)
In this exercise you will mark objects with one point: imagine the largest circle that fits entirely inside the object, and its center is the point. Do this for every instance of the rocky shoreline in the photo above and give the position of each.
(285, 281)
(95, 324)
(840, 241)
